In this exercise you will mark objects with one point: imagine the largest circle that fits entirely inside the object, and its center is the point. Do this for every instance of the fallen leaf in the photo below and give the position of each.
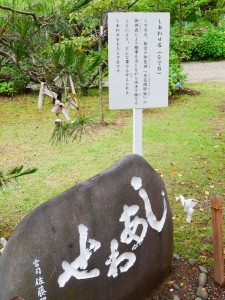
(207, 192)
(170, 282)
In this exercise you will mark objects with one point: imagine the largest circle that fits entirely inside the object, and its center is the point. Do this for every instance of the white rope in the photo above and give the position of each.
(65, 85)
(45, 91)
(72, 85)
(40, 96)
(72, 103)
(49, 93)
(60, 107)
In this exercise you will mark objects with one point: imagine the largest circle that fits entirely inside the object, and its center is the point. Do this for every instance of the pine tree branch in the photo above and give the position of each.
(3, 42)
(7, 55)
(5, 77)
(132, 4)
(94, 75)
(27, 13)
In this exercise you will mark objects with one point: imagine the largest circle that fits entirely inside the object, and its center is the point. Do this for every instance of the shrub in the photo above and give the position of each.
(211, 45)
(6, 88)
(176, 75)
(16, 84)
(199, 40)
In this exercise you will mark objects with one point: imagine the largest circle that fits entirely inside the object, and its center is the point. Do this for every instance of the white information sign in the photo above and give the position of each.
(138, 60)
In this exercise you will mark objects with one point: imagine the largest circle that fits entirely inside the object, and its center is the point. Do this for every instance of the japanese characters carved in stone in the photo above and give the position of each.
(109, 237)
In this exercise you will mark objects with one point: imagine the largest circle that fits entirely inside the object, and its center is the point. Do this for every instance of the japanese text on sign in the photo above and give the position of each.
(138, 65)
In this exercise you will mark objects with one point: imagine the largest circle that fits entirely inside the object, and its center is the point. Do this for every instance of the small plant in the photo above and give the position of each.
(176, 75)
(80, 126)
(6, 88)
(12, 175)
(64, 131)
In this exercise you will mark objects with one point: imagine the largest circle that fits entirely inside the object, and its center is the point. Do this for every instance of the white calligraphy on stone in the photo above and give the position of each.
(41, 291)
(115, 260)
(78, 267)
(39, 281)
(136, 182)
(129, 233)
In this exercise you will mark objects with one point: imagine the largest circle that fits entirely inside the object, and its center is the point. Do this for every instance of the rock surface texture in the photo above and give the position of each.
(110, 237)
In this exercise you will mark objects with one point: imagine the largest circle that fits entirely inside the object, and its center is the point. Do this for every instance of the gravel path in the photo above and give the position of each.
(205, 71)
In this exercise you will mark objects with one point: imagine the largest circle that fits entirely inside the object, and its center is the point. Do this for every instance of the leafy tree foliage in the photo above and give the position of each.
(43, 39)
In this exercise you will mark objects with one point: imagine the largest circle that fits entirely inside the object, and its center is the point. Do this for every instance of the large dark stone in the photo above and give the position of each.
(123, 264)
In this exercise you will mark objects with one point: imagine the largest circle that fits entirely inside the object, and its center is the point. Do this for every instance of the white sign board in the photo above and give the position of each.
(138, 60)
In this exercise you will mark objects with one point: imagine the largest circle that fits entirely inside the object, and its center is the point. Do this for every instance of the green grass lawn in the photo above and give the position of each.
(184, 143)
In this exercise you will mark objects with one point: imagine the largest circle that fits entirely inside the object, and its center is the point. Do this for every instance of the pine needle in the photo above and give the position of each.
(12, 174)
(75, 129)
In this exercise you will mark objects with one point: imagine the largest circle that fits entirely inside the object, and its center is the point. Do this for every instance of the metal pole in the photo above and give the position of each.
(137, 131)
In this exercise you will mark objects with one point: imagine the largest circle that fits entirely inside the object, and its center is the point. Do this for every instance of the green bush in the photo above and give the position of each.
(199, 40)
(20, 82)
(16, 85)
(211, 45)
(176, 75)
(6, 88)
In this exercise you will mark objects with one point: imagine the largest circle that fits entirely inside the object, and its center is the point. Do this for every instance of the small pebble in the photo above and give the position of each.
(198, 298)
(202, 279)
(177, 257)
(192, 261)
(176, 297)
(175, 286)
(201, 292)
(203, 269)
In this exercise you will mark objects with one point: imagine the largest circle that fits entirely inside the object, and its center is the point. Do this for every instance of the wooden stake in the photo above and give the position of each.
(217, 226)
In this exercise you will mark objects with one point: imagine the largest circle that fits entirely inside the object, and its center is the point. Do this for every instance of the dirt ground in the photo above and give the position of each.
(205, 71)
(185, 276)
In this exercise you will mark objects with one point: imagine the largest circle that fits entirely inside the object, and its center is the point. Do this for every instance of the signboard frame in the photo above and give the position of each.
(138, 64)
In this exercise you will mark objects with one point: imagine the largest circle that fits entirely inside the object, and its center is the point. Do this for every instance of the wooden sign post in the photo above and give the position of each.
(138, 64)
(218, 249)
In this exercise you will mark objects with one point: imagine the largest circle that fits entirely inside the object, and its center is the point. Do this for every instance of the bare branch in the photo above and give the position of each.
(3, 42)
(94, 75)
(34, 76)
(4, 77)
(132, 4)
(27, 13)
(7, 55)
